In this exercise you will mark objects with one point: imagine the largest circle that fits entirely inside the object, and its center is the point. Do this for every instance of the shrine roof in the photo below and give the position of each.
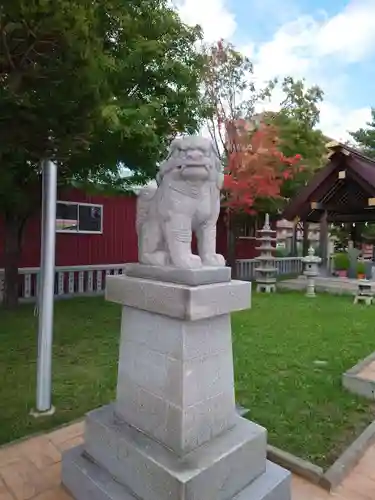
(344, 187)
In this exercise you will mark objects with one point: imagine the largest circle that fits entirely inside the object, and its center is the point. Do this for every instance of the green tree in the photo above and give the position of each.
(365, 137)
(91, 85)
(300, 103)
(297, 123)
(230, 93)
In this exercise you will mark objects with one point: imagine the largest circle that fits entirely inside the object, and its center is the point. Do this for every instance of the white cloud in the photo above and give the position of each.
(299, 46)
(350, 34)
(305, 47)
(337, 123)
(212, 15)
(288, 53)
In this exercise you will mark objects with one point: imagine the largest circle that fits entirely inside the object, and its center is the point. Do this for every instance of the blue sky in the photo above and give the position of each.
(328, 42)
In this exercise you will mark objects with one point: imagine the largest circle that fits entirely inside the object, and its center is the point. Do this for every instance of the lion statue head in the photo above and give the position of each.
(194, 159)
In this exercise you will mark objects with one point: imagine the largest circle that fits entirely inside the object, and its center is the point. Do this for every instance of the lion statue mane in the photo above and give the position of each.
(185, 199)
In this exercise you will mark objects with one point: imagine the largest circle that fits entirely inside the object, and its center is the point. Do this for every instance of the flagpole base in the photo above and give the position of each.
(41, 414)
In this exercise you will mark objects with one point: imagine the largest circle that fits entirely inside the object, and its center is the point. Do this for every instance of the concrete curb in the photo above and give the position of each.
(337, 472)
(342, 286)
(358, 385)
(300, 286)
(294, 464)
(350, 458)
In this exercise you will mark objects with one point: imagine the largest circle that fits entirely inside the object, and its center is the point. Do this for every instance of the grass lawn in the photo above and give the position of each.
(276, 345)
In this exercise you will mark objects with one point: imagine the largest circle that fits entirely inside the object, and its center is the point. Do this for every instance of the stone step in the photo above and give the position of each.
(274, 484)
(216, 470)
(85, 480)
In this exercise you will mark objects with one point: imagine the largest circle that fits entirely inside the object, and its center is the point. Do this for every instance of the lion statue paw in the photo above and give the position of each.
(215, 260)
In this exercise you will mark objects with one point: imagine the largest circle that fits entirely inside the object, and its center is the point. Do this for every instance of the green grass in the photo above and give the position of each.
(303, 404)
(85, 354)
(276, 343)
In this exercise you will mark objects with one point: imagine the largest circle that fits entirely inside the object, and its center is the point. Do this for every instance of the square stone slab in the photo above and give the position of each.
(189, 303)
(190, 277)
(86, 480)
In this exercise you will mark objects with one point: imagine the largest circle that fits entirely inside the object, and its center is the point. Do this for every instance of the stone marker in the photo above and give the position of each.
(353, 254)
(174, 432)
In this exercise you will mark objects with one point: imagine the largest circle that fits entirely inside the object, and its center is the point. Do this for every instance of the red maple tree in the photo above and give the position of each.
(255, 168)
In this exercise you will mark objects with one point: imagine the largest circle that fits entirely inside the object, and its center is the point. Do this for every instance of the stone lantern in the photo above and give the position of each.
(364, 292)
(266, 270)
(311, 263)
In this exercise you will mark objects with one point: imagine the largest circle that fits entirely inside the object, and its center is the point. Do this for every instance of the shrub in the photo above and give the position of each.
(361, 268)
(341, 261)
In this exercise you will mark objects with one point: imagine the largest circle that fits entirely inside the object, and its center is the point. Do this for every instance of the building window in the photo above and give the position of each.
(79, 217)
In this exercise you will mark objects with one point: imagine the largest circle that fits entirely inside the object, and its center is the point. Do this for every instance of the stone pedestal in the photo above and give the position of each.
(173, 431)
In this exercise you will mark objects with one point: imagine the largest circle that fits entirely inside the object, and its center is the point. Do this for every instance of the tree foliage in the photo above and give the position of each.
(297, 123)
(256, 166)
(91, 85)
(259, 182)
(300, 103)
(230, 92)
(231, 96)
(365, 137)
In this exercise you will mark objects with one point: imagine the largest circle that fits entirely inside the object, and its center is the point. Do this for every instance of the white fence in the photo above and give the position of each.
(90, 280)
(69, 281)
(285, 265)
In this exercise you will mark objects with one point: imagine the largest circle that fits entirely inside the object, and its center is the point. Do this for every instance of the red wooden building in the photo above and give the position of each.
(99, 230)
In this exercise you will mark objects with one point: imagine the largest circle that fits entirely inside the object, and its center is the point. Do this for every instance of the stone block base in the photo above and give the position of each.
(216, 470)
(86, 480)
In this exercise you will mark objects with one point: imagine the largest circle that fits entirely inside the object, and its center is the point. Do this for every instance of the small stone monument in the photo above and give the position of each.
(173, 432)
(265, 269)
(364, 293)
(353, 254)
(311, 263)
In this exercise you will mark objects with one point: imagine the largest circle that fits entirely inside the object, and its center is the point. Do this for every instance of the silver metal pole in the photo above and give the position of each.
(42, 252)
(46, 289)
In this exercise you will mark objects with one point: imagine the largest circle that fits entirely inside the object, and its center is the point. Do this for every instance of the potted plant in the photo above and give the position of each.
(361, 270)
(341, 262)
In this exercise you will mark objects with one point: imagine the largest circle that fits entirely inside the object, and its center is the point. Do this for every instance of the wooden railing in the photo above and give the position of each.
(285, 265)
(90, 280)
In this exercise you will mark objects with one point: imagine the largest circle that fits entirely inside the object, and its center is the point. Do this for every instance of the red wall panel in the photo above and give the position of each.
(245, 248)
(117, 244)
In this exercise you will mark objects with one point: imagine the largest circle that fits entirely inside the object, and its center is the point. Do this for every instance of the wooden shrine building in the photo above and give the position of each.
(342, 192)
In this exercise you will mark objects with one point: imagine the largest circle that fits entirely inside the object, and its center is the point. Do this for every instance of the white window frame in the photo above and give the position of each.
(78, 203)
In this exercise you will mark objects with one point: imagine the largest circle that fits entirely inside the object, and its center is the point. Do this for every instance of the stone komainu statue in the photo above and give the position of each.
(186, 199)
